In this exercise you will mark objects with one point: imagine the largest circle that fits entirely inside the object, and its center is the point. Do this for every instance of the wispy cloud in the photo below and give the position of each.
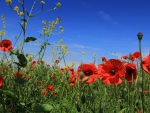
(117, 55)
(81, 46)
(106, 17)
(84, 4)
(85, 47)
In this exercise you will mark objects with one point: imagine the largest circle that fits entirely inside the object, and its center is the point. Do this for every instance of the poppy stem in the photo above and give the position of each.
(140, 35)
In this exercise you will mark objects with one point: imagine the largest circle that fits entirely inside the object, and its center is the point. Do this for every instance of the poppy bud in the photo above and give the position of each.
(78, 108)
(81, 75)
(85, 79)
(140, 35)
(83, 99)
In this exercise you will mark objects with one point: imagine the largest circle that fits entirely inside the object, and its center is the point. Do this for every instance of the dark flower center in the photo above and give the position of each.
(112, 72)
(88, 73)
(6, 45)
(129, 71)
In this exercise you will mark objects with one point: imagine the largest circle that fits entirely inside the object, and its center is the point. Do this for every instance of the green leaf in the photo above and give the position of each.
(43, 107)
(22, 103)
(122, 111)
(8, 93)
(22, 60)
(29, 39)
(16, 52)
(23, 20)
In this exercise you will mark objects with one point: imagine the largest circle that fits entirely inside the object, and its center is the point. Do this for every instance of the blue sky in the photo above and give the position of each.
(103, 27)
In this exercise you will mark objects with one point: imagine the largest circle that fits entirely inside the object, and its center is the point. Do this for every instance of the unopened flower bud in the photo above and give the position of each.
(140, 35)
(16, 8)
(9, 1)
(21, 14)
(42, 2)
(58, 4)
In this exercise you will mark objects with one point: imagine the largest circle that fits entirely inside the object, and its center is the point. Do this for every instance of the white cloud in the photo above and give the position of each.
(107, 17)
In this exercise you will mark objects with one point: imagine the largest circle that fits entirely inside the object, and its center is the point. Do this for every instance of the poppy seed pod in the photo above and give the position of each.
(140, 35)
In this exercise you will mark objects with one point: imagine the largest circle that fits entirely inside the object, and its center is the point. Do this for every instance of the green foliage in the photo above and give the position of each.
(43, 107)
(29, 39)
(22, 60)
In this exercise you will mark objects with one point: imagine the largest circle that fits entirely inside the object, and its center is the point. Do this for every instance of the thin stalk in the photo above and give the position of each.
(142, 96)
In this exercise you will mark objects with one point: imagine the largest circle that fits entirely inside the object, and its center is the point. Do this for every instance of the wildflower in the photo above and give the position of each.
(18, 75)
(55, 8)
(131, 57)
(9, 1)
(2, 32)
(57, 61)
(146, 64)
(50, 87)
(145, 91)
(21, 13)
(34, 63)
(58, 4)
(40, 82)
(111, 72)
(139, 111)
(90, 71)
(94, 55)
(42, 2)
(83, 53)
(53, 75)
(55, 94)
(43, 22)
(44, 92)
(104, 59)
(72, 83)
(131, 72)
(73, 64)
(58, 20)
(5, 45)
(1, 81)
(125, 57)
(136, 54)
(29, 77)
(16, 8)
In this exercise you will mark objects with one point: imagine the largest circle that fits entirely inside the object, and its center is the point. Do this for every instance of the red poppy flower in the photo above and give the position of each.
(136, 54)
(34, 63)
(53, 75)
(131, 57)
(50, 87)
(111, 72)
(18, 75)
(5, 45)
(90, 71)
(131, 72)
(57, 61)
(145, 91)
(55, 94)
(72, 75)
(104, 59)
(139, 111)
(72, 82)
(44, 92)
(1, 81)
(29, 77)
(40, 82)
(146, 64)
(125, 57)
